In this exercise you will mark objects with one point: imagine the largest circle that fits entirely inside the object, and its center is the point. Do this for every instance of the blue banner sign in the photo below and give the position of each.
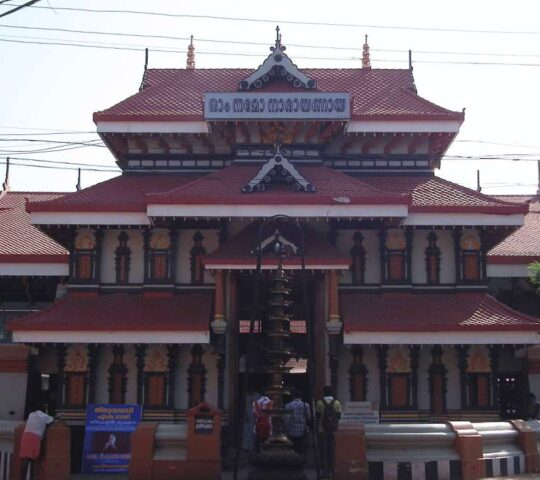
(107, 437)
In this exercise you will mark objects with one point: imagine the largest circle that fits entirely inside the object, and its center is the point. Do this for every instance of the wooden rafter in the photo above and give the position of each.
(392, 143)
(415, 143)
(163, 144)
(313, 131)
(141, 144)
(347, 144)
(244, 130)
(372, 143)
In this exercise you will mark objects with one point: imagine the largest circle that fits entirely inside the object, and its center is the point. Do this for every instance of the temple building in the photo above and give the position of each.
(162, 263)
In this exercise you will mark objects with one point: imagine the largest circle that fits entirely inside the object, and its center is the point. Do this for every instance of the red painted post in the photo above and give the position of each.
(528, 443)
(350, 454)
(204, 442)
(469, 447)
(141, 465)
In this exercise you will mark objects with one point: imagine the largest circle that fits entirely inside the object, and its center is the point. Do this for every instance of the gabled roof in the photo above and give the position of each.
(225, 188)
(125, 193)
(20, 242)
(435, 194)
(430, 312)
(523, 245)
(238, 251)
(177, 94)
(122, 312)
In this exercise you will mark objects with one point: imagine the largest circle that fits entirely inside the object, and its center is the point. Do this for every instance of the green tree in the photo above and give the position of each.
(534, 275)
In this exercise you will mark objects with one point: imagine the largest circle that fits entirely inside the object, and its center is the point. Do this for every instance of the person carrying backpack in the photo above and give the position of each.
(297, 421)
(328, 411)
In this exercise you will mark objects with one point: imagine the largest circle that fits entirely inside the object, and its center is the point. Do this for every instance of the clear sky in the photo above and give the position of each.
(48, 88)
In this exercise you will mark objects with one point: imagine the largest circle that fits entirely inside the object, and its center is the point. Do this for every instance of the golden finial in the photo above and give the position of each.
(190, 62)
(365, 55)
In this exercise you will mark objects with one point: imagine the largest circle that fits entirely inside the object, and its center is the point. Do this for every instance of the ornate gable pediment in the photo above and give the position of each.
(278, 170)
(277, 66)
(269, 243)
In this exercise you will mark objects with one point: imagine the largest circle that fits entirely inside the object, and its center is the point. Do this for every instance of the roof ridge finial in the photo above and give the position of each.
(366, 63)
(190, 62)
(78, 186)
(278, 45)
(5, 185)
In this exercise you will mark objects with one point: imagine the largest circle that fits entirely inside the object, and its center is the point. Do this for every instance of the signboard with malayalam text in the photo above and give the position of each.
(277, 106)
(107, 437)
(360, 412)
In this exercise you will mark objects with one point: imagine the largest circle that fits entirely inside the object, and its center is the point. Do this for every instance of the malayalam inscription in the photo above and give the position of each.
(277, 105)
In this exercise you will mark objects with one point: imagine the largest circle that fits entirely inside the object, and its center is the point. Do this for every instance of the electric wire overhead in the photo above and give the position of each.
(286, 22)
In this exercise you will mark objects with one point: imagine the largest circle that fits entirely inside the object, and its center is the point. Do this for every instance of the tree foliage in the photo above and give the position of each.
(534, 275)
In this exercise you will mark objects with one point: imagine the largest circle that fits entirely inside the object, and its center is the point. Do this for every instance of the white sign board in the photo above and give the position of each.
(277, 106)
(360, 412)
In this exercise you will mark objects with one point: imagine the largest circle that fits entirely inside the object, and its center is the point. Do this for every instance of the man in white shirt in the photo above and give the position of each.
(31, 438)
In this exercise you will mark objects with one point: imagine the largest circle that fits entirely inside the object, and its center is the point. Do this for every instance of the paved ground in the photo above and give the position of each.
(243, 476)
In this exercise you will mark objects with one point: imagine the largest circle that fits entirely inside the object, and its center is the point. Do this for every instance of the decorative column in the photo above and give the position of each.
(494, 351)
(219, 324)
(333, 308)
(147, 234)
(358, 375)
(382, 254)
(99, 234)
(462, 351)
(382, 353)
(334, 327)
(92, 365)
(196, 377)
(220, 364)
(437, 381)
(414, 352)
(408, 256)
(173, 235)
(61, 352)
(219, 328)
(457, 254)
(117, 376)
(140, 354)
(172, 355)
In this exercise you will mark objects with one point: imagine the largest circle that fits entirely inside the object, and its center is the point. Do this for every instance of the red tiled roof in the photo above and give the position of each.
(523, 245)
(20, 242)
(434, 194)
(238, 250)
(122, 312)
(125, 193)
(429, 312)
(177, 94)
(225, 188)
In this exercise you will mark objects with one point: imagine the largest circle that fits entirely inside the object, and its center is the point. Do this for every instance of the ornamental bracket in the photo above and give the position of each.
(277, 65)
(279, 168)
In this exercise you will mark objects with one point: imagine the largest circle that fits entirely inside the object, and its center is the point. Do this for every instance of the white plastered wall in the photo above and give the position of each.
(453, 393)
(418, 256)
(185, 244)
(445, 242)
(108, 265)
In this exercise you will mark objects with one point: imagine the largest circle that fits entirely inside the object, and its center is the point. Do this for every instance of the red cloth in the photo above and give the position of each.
(30, 445)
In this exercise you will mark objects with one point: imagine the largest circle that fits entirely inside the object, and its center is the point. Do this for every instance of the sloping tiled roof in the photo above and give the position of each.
(177, 94)
(20, 242)
(435, 194)
(523, 245)
(238, 250)
(225, 187)
(429, 312)
(122, 312)
(125, 193)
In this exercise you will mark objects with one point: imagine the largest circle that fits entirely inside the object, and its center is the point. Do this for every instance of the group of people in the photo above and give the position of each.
(298, 420)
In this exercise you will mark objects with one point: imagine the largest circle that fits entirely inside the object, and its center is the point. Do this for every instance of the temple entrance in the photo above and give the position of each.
(512, 395)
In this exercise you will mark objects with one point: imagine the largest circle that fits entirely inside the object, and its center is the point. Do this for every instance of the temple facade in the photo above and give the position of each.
(217, 163)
